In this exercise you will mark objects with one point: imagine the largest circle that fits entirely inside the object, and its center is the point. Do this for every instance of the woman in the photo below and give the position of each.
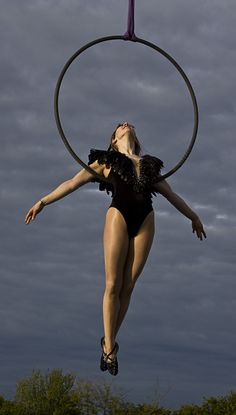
(129, 225)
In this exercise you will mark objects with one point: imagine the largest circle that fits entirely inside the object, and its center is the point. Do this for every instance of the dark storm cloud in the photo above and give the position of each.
(182, 313)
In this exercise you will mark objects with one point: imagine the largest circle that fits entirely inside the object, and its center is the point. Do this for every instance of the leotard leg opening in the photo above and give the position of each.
(133, 218)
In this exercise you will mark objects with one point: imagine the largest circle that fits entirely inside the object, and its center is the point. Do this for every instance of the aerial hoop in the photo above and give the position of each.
(128, 36)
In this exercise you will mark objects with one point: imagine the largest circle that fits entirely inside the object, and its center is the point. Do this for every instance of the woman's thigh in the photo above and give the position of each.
(116, 245)
(138, 252)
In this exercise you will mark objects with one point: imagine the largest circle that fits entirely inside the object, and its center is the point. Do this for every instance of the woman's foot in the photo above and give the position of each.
(103, 363)
(111, 360)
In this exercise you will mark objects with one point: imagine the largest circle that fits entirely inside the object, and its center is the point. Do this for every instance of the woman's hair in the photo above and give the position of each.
(137, 147)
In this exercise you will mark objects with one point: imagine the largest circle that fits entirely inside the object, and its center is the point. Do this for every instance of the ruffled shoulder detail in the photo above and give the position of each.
(150, 167)
(103, 157)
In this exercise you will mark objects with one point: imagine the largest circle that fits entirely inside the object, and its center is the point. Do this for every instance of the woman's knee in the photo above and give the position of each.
(112, 287)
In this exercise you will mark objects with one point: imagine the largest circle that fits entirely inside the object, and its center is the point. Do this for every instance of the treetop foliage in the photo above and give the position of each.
(55, 393)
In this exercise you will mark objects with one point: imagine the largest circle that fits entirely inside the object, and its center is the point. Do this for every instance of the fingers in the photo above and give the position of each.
(199, 231)
(202, 232)
(30, 216)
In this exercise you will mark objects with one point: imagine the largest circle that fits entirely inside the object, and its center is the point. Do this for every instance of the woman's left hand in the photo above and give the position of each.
(198, 228)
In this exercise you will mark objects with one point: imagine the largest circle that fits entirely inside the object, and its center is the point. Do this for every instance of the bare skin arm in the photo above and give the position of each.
(63, 190)
(164, 188)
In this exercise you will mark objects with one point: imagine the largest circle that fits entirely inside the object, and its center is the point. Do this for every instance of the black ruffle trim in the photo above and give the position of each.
(150, 168)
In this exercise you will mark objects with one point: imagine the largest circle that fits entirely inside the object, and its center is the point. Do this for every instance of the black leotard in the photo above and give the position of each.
(131, 195)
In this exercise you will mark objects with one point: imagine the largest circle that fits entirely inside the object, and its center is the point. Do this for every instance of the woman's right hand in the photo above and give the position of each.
(33, 212)
(197, 227)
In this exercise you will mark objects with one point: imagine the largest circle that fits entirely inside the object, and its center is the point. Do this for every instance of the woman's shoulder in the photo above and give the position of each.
(96, 154)
(123, 164)
(104, 156)
(153, 161)
(150, 164)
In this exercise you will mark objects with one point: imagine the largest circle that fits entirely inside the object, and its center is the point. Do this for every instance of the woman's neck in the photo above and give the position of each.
(127, 146)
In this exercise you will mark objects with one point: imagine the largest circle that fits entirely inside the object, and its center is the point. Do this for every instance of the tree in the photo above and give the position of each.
(224, 405)
(46, 394)
(9, 408)
(1, 401)
(56, 394)
(94, 399)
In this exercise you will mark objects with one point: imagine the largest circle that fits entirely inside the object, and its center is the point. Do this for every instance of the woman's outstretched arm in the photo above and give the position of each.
(63, 190)
(164, 188)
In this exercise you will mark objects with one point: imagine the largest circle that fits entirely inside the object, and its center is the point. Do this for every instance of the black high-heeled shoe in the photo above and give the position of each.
(112, 362)
(103, 363)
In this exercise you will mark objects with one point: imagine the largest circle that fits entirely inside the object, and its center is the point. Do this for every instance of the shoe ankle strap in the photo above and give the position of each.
(114, 348)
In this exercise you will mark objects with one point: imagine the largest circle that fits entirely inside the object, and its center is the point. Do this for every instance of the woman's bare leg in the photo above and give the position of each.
(116, 244)
(138, 251)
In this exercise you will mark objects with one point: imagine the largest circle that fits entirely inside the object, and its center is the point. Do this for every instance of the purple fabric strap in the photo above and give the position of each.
(130, 35)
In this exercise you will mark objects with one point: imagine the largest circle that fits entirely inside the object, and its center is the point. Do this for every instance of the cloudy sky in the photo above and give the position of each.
(178, 340)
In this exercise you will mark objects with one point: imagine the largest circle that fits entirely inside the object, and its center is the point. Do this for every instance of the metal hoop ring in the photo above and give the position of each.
(157, 49)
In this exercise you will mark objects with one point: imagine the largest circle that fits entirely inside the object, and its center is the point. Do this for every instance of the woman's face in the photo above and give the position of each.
(121, 130)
